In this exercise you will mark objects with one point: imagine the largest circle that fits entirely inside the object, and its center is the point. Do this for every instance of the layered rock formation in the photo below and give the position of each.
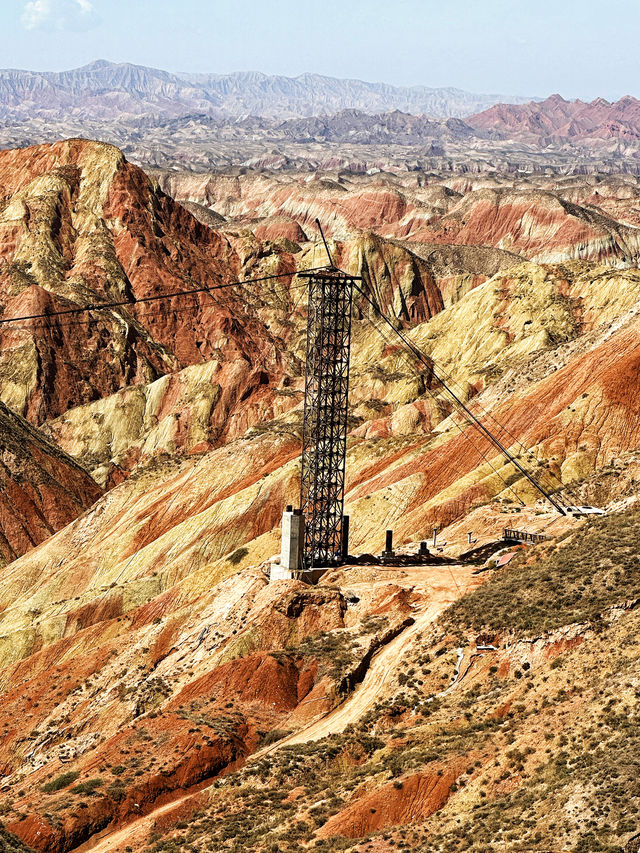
(542, 220)
(555, 351)
(41, 488)
(541, 226)
(81, 226)
(58, 215)
(155, 689)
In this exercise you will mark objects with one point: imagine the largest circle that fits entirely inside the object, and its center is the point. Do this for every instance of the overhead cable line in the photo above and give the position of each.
(101, 306)
(463, 432)
(503, 430)
(302, 286)
(502, 427)
(447, 376)
(428, 363)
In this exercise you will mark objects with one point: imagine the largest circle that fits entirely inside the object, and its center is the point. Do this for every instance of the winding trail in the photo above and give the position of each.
(383, 666)
(379, 676)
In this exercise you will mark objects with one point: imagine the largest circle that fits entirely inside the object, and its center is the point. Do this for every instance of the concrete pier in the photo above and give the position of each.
(292, 547)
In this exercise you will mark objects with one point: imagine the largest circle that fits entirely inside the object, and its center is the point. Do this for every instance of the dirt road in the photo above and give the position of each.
(384, 664)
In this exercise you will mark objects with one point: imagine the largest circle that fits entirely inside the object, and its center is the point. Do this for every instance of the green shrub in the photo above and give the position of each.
(238, 555)
(273, 736)
(88, 787)
(60, 782)
(116, 792)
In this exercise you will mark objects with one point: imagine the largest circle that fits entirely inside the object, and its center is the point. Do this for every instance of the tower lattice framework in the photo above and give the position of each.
(324, 442)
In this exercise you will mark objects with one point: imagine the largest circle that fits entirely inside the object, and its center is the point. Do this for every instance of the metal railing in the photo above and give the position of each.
(523, 535)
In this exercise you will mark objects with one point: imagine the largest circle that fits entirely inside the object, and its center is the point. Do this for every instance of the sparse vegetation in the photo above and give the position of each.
(335, 651)
(272, 737)
(11, 844)
(597, 567)
(520, 772)
(60, 782)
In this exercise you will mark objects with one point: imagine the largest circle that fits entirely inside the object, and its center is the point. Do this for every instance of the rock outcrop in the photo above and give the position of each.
(41, 488)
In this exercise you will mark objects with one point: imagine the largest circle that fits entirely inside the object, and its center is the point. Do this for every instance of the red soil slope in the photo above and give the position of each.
(41, 488)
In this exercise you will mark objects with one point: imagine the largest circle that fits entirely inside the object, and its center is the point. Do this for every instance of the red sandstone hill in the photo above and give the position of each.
(536, 224)
(555, 119)
(41, 488)
(79, 225)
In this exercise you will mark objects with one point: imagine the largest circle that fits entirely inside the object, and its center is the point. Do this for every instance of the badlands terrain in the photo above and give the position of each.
(156, 691)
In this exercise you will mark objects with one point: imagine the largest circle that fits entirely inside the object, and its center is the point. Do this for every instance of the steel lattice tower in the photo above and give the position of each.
(324, 441)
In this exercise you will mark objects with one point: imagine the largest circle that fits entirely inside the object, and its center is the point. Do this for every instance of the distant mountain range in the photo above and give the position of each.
(556, 120)
(201, 122)
(105, 90)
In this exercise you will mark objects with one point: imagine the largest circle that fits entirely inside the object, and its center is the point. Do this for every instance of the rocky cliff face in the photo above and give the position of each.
(41, 488)
(80, 226)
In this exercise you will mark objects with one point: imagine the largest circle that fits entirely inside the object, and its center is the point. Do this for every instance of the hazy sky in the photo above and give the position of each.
(580, 48)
